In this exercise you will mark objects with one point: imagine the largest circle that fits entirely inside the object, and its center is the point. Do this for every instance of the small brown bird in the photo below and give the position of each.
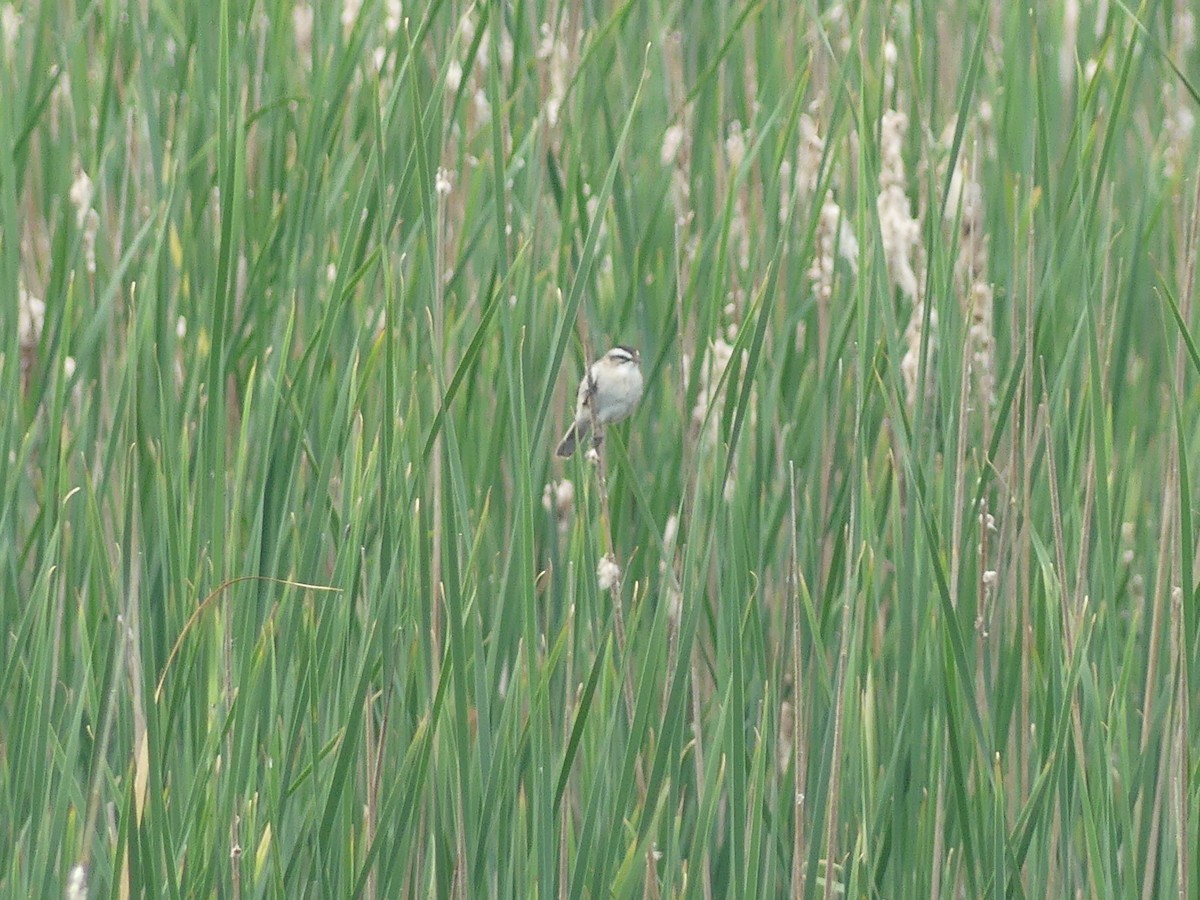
(609, 392)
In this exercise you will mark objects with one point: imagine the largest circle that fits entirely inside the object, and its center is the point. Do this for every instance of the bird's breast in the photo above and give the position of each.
(619, 396)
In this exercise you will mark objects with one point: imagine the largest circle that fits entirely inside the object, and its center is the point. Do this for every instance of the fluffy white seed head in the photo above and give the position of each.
(608, 573)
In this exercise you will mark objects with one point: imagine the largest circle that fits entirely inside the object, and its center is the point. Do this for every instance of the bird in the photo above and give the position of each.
(609, 392)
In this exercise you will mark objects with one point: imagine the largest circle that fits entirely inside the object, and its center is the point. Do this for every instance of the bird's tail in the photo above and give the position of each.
(571, 439)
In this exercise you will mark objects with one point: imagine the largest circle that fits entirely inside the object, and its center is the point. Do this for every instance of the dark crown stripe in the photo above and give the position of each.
(630, 353)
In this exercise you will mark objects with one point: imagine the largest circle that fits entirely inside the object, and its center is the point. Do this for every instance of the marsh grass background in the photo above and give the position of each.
(296, 600)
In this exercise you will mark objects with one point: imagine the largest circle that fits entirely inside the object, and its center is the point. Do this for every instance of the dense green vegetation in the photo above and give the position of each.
(887, 590)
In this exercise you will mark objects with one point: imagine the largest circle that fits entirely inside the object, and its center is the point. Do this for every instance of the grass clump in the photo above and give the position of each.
(888, 589)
